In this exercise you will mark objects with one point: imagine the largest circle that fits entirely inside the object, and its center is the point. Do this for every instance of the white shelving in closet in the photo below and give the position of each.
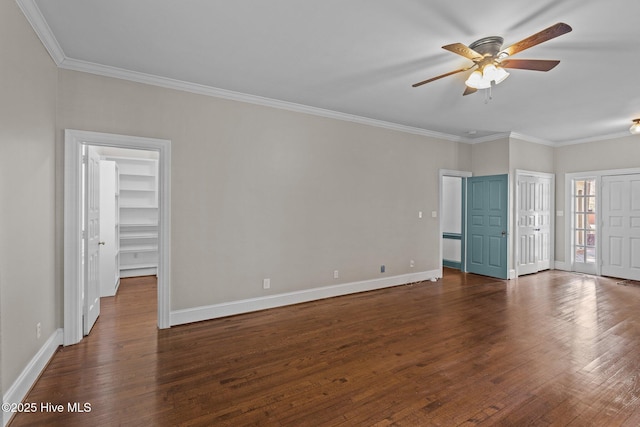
(138, 198)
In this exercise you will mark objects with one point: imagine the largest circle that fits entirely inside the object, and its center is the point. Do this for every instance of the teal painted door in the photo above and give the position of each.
(487, 208)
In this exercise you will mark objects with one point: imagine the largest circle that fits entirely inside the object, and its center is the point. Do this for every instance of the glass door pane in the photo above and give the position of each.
(584, 225)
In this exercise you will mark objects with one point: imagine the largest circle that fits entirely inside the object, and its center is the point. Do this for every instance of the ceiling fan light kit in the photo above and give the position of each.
(491, 60)
(482, 79)
(635, 127)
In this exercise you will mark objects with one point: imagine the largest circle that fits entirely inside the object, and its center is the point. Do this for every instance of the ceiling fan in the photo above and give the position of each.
(491, 60)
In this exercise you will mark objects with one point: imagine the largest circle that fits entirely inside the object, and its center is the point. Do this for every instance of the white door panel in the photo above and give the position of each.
(621, 226)
(534, 224)
(92, 246)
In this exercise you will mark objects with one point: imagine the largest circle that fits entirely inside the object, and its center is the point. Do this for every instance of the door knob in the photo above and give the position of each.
(504, 233)
(101, 243)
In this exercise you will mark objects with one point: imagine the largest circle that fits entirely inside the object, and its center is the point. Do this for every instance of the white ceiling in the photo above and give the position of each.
(357, 59)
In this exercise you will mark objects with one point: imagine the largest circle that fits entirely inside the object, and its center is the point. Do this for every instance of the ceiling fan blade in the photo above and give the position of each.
(529, 64)
(463, 50)
(441, 76)
(469, 90)
(547, 34)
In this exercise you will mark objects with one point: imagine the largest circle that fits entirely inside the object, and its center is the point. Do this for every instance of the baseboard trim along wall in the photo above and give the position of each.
(19, 389)
(197, 314)
(561, 265)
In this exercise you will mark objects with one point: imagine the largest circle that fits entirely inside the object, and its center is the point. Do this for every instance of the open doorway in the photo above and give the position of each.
(452, 219)
(119, 221)
(452, 222)
(480, 207)
(75, 274)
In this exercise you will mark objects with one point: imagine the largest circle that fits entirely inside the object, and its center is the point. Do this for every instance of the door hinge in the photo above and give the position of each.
(84, 158)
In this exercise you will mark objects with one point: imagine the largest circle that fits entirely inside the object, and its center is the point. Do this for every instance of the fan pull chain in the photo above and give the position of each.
(488, 95)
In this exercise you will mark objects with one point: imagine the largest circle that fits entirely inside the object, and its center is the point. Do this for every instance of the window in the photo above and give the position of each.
(584, 221)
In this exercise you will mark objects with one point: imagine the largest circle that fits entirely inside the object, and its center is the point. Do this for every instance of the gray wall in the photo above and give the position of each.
(260, 192)
(490, 158)
(28, 261)
(529, 156)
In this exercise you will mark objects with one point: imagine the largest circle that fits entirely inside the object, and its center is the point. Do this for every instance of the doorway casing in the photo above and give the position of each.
(74, 139)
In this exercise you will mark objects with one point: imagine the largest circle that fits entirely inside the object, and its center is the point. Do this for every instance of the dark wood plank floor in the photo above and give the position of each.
(549, 349)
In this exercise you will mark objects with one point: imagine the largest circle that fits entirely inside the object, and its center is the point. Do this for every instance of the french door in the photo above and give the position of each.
(584, 222)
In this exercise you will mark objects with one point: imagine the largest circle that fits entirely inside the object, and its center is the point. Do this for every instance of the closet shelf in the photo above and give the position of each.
(139, 248)
(138, 236)
(138, 190)
(144, 175)
(137, 266)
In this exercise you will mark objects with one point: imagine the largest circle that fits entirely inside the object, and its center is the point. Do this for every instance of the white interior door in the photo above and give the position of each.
(108, 229)
(621, 226)
(92, 241)
(534, 224)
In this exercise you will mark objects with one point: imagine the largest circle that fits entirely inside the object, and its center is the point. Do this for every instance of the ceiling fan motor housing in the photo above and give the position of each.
(487, 45)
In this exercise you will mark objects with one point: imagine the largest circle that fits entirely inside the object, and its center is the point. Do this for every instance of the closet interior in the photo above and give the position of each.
(128, 215)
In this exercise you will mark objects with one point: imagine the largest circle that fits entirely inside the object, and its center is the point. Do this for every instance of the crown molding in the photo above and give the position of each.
(32, 12)
(532, 139)
(594, 139)
(168, 83)
(489, 138)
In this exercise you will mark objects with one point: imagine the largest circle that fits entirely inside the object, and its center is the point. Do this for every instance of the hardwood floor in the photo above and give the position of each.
(554, 348)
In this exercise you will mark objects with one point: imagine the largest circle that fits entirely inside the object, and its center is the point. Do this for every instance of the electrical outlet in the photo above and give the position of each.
(382, 269)
(266, 283)
(38, 330)
(336, 274)
(412, 263)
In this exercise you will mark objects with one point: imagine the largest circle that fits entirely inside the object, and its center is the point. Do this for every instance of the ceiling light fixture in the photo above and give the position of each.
(481, 79)
(635, 127)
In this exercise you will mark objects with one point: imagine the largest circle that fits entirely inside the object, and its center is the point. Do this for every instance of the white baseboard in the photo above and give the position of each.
(561, 265)
(21, 386)
(197, 314)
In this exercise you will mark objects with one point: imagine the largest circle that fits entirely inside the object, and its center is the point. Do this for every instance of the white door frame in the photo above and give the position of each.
(552, 209)
(73, 140)
(442, 173)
